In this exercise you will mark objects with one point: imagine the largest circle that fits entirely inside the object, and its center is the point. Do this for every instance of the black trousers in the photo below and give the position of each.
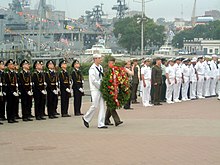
(163, 88)
(77, 101)
(111, 112)
(2, 107)
(39, 104)
(134, 92)
(64, 102)
(157, 93)
(17, 106)
(52, 100)
(26, 104)
(12, 104)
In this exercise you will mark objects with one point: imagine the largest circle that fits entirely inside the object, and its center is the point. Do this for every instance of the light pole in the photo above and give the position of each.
(142, 23)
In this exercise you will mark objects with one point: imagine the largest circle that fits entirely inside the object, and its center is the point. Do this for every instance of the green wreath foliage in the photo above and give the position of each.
(116, 95)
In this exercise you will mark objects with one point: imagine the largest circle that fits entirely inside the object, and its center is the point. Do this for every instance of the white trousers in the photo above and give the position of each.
(193, 90)
(218, 88)
(146, 92)
(185, 87)
(97, 100)
(200, 85)
(206, 87)
(213, 85)
(170, 89)
(177, 86)
(141, 88)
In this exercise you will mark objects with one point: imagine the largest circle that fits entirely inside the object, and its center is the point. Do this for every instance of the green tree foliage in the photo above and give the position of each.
(211, 30)
(128, 32)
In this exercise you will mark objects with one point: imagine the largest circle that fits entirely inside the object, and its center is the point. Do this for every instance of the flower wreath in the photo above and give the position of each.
(115, 87)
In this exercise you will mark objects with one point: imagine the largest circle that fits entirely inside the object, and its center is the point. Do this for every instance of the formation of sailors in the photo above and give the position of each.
(184, 79)
(42, 87)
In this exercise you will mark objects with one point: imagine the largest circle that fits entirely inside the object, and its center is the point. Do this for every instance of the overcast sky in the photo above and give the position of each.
(168, 9)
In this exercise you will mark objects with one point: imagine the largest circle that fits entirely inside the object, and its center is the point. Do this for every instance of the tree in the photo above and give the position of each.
(128, 32)
(211, 30)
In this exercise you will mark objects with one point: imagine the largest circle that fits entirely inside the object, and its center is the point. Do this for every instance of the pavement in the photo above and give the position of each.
(186, 133)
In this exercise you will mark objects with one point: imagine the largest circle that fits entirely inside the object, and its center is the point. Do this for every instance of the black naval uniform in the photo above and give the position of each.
(65, 95)
(2, 97)
(39, 93)
(12, 100)
(77, 84)
(52, 83)
(26, 94)
(17, 100)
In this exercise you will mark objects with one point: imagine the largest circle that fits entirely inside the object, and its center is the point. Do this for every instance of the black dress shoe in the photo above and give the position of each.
(56, 113)
(81, 114)
(42, 118)
(129, 108)
(66, 115)
(18, 117)
(10, 121)
(109, 124)
(85, 123)
(120, 122)
(30, 119)
(103, 127)
(25, 119)
(158, 104)
(15, 121)
(135, 102)
(55, 117)
(38, 118)
(31, 116)
(1, 123)
(51, 117)
(3, 118)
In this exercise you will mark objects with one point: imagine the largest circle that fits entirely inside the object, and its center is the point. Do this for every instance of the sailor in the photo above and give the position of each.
(185, 78)
(163, 87)
(218, 80)
(193, 79)
(77, 86)
(65, 91)
(215, 74)
(2, 92)
(52, 89)
(146, 82)
(11, 91)
(170, 80)
(39, 90)
(135, 81)
(95, 78)
(26, 90)
(178, 79)
(207, 76)
(200, 71)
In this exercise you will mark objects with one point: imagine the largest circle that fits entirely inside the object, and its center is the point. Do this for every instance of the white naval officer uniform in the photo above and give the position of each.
(177, 85)
(95, 78)
(185, 84)
(207, 78)
(146, 72)
(193, 82)
(215, 74)
(200, 71)
(170, 75)
(218, 82)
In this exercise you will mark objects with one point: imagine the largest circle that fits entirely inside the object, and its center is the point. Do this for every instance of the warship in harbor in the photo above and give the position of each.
(45, 33)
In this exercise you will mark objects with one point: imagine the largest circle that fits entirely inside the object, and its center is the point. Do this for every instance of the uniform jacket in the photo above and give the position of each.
(156, 75)
(95, 77)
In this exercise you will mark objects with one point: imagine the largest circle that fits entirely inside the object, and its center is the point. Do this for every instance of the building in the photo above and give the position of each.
(201, 46)
(213, 13)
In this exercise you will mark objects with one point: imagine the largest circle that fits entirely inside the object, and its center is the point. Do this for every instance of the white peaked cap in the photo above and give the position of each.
(97, 55)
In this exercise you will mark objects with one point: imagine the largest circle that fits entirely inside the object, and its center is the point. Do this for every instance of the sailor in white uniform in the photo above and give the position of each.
(207, 76)
(95, 79)
(178, 79)
(193, 79)
(146, 83)
(215, 74)
(170, 80)
(185, 76)
(200, 71)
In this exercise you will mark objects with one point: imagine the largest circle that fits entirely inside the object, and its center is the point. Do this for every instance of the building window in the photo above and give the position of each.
(210, 51)
(216, 51)
(205, 50)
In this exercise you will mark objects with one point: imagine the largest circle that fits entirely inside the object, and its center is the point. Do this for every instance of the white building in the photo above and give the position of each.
(202, 46)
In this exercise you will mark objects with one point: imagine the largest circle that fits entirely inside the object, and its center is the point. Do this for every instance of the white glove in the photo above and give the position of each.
(0, 84)
(1, 94)
(68, 90)
(81, 90)
(4, 93)
(30, 93)
(55, 92)
(15, 94)
(58, 90)
(83, 81)
(45, 83)
(44, 92)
